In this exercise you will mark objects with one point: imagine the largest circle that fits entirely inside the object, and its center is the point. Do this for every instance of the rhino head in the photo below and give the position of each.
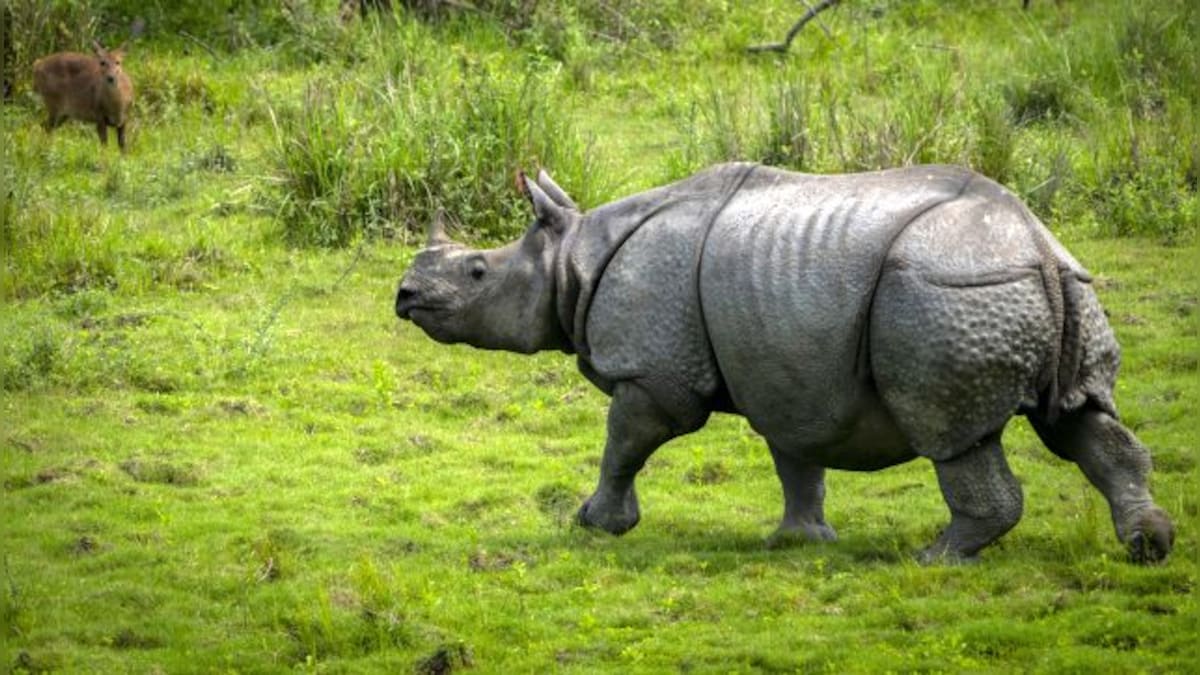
(500, 298)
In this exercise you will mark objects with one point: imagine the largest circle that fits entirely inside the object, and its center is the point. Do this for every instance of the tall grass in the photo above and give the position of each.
(65, 250)
(379, 154)
(1096, 125)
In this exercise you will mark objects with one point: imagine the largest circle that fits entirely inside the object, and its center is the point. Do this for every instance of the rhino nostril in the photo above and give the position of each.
(404, 300)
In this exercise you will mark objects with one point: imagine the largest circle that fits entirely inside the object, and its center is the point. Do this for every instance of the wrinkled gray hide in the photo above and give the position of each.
(857, 321)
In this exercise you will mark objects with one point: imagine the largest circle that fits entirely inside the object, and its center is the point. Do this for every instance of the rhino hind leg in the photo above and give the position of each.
(1118, 465)
(804, 502)
(984, 497)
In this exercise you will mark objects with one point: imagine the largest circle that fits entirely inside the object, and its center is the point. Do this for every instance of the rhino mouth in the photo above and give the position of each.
(414, 313)
(409, 302)
(409, 311)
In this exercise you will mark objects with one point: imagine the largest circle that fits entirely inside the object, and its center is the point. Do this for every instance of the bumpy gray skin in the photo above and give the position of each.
(857, 321)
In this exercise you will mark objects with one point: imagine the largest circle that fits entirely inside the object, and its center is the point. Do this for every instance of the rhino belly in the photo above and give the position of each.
(785, 311)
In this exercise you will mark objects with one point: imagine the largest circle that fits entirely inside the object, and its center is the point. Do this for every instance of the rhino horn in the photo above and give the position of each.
(548, 212)
(555, 192)
(437, 230)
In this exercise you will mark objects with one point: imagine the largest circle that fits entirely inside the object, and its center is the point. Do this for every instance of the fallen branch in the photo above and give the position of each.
(811, 14)
(212, 52)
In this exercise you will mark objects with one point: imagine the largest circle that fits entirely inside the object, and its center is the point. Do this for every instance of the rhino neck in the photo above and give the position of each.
(585, 252)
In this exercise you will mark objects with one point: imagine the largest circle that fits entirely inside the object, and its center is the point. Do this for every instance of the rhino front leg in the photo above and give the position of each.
(1118, 465)
(637, 426)
(803, 501)
(984, 498)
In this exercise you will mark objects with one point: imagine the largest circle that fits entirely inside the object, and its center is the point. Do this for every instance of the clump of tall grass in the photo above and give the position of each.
(60, 250)
(29, 356)
(379, 155)
(811, 122)
(993, 142)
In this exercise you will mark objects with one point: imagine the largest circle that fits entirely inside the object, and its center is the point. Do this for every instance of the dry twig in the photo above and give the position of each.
(813, 11)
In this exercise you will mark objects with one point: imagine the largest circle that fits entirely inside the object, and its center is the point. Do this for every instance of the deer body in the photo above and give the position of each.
(86, 88)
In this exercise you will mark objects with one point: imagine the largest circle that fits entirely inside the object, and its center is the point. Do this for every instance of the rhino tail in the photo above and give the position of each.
(1055, 279)
(1066, 366)
(1089, 356)
(1084, 358)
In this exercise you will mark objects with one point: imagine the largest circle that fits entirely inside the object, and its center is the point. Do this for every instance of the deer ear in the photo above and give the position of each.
(98, 48)
(549, 214)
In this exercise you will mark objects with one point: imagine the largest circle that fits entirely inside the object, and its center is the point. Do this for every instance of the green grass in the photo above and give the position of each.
(219, 451)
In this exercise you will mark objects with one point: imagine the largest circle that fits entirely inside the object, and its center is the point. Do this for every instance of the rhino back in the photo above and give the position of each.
(786, 282)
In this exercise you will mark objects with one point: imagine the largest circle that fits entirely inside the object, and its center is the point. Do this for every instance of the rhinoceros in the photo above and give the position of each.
(856, 321)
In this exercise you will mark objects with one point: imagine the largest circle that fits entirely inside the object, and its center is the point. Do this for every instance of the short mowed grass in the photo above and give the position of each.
(221, 452)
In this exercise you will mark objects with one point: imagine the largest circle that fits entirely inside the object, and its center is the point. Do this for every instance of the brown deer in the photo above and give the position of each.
(86, 88)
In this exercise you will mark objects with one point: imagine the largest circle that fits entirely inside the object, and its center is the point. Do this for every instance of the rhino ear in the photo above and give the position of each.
(556, 193)
(437, 230)
(549, 214)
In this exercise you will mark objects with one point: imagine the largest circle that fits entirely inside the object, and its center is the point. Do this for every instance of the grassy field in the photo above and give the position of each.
(221, 452)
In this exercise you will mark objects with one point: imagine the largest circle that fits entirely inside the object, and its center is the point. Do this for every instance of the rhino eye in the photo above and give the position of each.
(477, 269)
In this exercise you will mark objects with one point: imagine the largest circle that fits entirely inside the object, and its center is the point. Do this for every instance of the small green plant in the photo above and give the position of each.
(29, 357)
(1040, 99)
(14, 617)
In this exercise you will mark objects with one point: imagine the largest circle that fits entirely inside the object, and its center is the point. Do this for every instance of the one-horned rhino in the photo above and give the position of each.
(856, 321)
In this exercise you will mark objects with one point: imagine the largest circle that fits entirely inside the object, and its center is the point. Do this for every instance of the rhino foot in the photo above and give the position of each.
(615, 516)
(789, 535)
(941, 555)
(1152, 537)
